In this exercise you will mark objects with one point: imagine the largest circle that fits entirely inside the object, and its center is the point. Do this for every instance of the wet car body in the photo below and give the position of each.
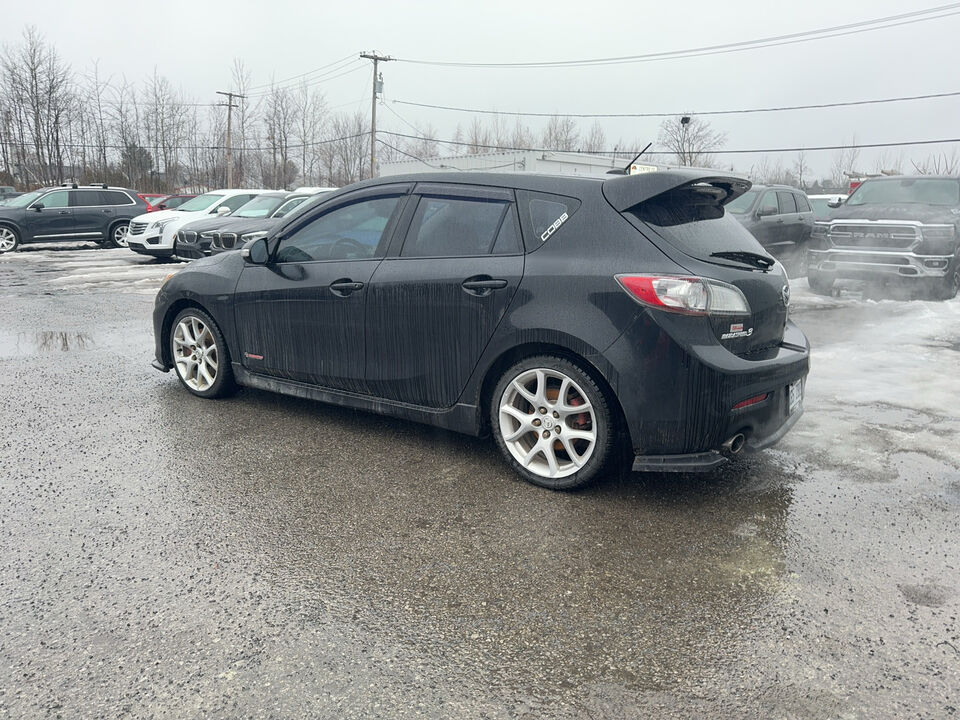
(426, 338)
(899, 237)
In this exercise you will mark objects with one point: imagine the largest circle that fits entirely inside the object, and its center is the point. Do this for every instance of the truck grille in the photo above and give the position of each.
(873, 236)
(137, 228)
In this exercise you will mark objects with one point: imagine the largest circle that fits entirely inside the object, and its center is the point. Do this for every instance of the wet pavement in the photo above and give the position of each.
(165, 556)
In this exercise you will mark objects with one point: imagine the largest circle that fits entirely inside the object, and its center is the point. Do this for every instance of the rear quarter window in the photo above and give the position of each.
(544, 214)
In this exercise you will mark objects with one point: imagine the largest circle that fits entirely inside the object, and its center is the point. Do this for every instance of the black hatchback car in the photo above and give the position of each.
(566, 316)
(71, 212)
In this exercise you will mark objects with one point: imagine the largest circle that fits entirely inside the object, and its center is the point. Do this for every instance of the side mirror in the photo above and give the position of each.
(834, 202)
(37, 206)
(223, 210)
(161, 206)
(257, 252)
(766, 211)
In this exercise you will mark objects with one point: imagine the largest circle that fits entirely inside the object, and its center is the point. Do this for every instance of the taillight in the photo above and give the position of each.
(750, 401)
(686, 295)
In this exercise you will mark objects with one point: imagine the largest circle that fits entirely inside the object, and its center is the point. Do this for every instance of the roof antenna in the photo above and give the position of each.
(625, 170)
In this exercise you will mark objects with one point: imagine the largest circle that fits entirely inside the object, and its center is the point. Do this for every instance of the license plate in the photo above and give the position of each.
(795, 391)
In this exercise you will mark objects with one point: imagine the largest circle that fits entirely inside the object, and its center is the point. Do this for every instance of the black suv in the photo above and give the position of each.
(573, 318)
(781, 219)
(904, 228)
(71, 212)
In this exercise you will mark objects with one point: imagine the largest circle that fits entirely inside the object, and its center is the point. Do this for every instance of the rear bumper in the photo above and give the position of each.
(857, 264)
(678, 400)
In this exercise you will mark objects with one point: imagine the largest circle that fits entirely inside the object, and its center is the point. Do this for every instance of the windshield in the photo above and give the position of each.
(743, 203)
(200, 202)
(897, 191)
(259, 207)
(24, 200)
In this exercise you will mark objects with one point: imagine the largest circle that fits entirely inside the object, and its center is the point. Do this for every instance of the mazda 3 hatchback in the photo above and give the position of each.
(579, 321)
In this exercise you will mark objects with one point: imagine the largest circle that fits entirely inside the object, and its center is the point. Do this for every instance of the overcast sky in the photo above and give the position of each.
(195, 43)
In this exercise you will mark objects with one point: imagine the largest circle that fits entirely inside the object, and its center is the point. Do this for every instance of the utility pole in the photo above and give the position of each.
(230, 106)
(377, 86)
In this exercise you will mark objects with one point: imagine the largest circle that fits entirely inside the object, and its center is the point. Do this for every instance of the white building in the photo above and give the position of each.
(554, 163)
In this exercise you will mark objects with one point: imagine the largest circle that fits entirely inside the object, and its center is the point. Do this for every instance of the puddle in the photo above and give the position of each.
(45, 341)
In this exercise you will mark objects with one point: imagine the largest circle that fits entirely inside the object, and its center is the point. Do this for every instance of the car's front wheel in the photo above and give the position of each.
(118, 234)
(552, 423)
(200, 355)
(820, 283)
(9, 239)
(947, 287)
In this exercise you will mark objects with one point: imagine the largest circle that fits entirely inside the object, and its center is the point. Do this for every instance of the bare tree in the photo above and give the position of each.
(691, 140)
(596, 139)
(560, 133)
(938, 164)
(801, 169)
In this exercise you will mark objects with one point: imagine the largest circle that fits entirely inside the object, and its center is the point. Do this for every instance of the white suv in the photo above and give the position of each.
(154, 233)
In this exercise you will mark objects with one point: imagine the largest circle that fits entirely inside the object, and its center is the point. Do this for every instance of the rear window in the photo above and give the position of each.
(692, 219)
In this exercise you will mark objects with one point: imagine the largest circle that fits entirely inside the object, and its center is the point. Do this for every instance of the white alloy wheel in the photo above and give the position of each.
(119, 235)
(547, 423)
(195, 353)
(8, 239)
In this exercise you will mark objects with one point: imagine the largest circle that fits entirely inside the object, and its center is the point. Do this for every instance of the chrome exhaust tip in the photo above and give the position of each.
(734, 445)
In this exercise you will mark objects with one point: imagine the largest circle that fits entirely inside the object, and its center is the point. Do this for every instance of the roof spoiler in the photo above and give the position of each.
(626, 191)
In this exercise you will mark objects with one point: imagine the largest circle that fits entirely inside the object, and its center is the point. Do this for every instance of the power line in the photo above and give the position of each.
(319, 80)
(783, 108)
(666, 152)
(773, 41)
(301, 75)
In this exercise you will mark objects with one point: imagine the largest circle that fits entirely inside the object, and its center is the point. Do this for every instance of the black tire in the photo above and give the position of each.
(223, 383)
(603, 423)
(112, 240)
(9, 239)
(947, 287)
(820, 283)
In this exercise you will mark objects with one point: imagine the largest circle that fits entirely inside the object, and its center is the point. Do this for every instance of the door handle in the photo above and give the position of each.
(63, 212)
(484, 284)
(344, 287)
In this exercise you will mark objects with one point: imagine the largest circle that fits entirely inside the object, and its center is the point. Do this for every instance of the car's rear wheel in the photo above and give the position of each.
(9, 239)
(118, 234)
(200, 355)
(552, 423)
(820, 283)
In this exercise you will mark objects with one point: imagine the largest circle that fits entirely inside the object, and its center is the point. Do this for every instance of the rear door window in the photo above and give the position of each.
(788, 203)
(86, 198)
(454, 227)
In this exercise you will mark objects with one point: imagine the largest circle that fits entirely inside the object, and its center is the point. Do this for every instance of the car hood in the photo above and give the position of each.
(211, 223)
(910, 211)
(249, 225)
(153, 216)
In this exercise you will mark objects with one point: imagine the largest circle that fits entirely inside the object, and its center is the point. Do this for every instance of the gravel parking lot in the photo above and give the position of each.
(164, 556)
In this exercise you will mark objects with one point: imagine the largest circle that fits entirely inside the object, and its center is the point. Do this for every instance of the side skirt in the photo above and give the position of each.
(459, 418)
